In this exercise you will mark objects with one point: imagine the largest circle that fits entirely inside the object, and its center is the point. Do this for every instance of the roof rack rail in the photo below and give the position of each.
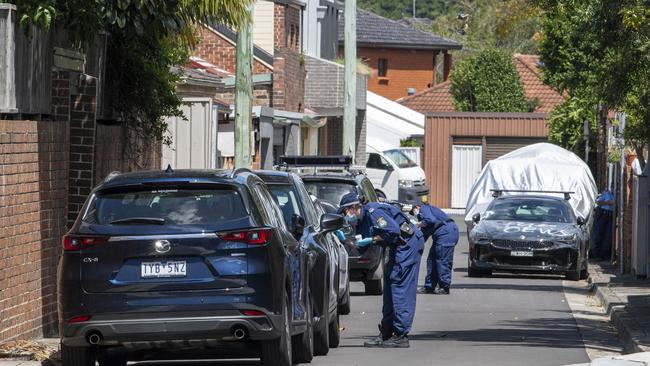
(309, 161)
(111, 175)
(237, 171)
(498, 192)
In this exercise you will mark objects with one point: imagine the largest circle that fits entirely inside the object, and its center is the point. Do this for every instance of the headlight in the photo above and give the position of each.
(480, 238)
(406, 184)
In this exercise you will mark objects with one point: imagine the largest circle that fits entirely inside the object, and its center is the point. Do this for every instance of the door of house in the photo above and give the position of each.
(465, 168)
(192, 137)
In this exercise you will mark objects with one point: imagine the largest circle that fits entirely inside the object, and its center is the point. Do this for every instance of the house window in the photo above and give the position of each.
(382, 67)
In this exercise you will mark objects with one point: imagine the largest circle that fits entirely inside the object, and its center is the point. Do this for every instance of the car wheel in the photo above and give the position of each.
(573, 275)
(344, 307)
(321, 335)
(112, 358)
(334, 332)
(303, 344)
(584, 274)
(277, 352)
(374, 287)
(475, 272)
(78, 356)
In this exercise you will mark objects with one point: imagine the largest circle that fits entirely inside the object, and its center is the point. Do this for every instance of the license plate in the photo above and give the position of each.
(163, 269)
(521, 254)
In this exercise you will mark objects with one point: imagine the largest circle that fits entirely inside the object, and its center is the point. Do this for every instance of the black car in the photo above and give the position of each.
(521, 233)
(329, 178)
(183, 264)
(304, 218)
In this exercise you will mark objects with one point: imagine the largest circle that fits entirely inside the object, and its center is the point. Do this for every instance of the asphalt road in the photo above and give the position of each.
(501, 320)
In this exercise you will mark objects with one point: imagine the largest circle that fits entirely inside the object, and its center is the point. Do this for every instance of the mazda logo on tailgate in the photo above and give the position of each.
(162, 246)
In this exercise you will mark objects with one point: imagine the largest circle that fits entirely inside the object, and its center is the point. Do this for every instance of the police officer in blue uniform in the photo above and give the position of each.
(385, 225)
(435, 224)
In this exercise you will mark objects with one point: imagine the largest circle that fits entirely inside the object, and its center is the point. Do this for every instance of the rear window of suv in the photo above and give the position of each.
(166, 207)
(331, 192)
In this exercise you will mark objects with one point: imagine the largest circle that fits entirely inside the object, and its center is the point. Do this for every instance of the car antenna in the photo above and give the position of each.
(169, 169)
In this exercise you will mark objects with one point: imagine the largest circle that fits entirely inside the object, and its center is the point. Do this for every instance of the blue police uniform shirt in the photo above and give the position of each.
(379, 219)
(438, 224)
(606, 196)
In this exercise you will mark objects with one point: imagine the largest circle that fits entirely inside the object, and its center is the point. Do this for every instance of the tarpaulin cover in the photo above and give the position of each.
(538, 167)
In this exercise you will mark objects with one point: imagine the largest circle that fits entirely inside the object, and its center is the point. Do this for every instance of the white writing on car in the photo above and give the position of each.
(544, 229)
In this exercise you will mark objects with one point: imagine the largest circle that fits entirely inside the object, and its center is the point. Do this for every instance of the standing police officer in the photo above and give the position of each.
(444, 231)
(385, 225)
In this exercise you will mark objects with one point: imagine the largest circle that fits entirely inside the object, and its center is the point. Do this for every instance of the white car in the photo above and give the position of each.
(396, 177)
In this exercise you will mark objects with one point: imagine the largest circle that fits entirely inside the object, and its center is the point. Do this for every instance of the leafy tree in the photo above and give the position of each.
(566, 123)
(146, 39)
(488, 82)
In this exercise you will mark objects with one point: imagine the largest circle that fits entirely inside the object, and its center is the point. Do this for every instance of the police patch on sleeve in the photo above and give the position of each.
(381, 222)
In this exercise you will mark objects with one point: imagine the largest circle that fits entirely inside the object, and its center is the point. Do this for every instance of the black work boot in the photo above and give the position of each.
(441, 291)
(378, 341)
(396, 341)
(425, 290)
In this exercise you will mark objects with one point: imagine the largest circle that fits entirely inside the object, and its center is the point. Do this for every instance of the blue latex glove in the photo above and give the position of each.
(364, 242)
(340, 235)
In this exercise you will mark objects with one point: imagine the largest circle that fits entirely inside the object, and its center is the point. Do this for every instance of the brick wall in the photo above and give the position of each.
(262, 96)
(33, 189)
(406, 69)
(288, 81)
(286, 27)
(219, 51)
(331, 137)
(82, 143)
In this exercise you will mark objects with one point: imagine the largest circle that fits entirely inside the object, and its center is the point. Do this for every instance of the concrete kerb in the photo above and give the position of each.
(634, 338)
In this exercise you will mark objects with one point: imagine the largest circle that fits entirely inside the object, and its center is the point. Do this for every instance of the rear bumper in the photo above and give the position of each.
(142, 332)
(412, 194)
(555, 259)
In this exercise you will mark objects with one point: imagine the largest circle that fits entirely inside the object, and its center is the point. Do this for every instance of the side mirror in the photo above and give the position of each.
(476, 218)
(389, 168)
(581, 221)
(297, 225)
(331, 222)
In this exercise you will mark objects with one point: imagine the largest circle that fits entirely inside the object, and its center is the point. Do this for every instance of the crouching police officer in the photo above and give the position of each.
(385, 225)
(436, 224)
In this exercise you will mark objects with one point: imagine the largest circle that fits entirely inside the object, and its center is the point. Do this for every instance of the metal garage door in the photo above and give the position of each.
(498, 146)
(192, 138)
(465, 167)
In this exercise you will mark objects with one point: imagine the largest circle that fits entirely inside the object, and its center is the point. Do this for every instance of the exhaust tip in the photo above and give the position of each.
(94, 338)
(239, 332)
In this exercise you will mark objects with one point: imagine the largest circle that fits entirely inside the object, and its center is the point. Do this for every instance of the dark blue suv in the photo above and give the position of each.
(162, 265)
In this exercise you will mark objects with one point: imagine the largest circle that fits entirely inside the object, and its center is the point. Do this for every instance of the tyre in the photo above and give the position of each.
(334, 332)
(277, 352)
(573, 275)
(303, 344)
(374, 287)
(112, 358)
(321, 336)
(344, 307)
(78, 356)
(475, 272)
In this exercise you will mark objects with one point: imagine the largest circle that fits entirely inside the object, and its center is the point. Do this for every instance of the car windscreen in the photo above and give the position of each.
(178, 206)
(287, 200)
(331, 192)
(399, 158)
(529, 209)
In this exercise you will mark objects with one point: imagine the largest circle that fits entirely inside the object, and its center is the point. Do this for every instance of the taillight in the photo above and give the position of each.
(256, 237)
(79, 319)
(74, 242)
(252, 313)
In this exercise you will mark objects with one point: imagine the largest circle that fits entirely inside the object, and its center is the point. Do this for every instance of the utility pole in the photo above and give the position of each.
(244, 94)
(413, 9)
(350, 108)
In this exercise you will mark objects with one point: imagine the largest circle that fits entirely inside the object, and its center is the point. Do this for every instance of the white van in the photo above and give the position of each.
(395, 176)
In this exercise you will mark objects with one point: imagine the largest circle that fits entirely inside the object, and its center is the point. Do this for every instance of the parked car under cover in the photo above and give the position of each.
(524, 232)
(324, 280)
(183, 264)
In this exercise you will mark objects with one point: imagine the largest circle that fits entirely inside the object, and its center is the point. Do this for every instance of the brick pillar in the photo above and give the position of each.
(446, 66)
(360, 156)
(82, 143)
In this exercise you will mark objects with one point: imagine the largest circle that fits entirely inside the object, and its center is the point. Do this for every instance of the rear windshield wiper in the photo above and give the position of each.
(139, 220)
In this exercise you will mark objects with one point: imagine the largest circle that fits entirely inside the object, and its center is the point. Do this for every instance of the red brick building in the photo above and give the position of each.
(403, 59)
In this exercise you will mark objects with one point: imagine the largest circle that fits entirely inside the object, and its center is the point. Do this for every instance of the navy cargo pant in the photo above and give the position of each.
(400, 286)
(441, 257)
